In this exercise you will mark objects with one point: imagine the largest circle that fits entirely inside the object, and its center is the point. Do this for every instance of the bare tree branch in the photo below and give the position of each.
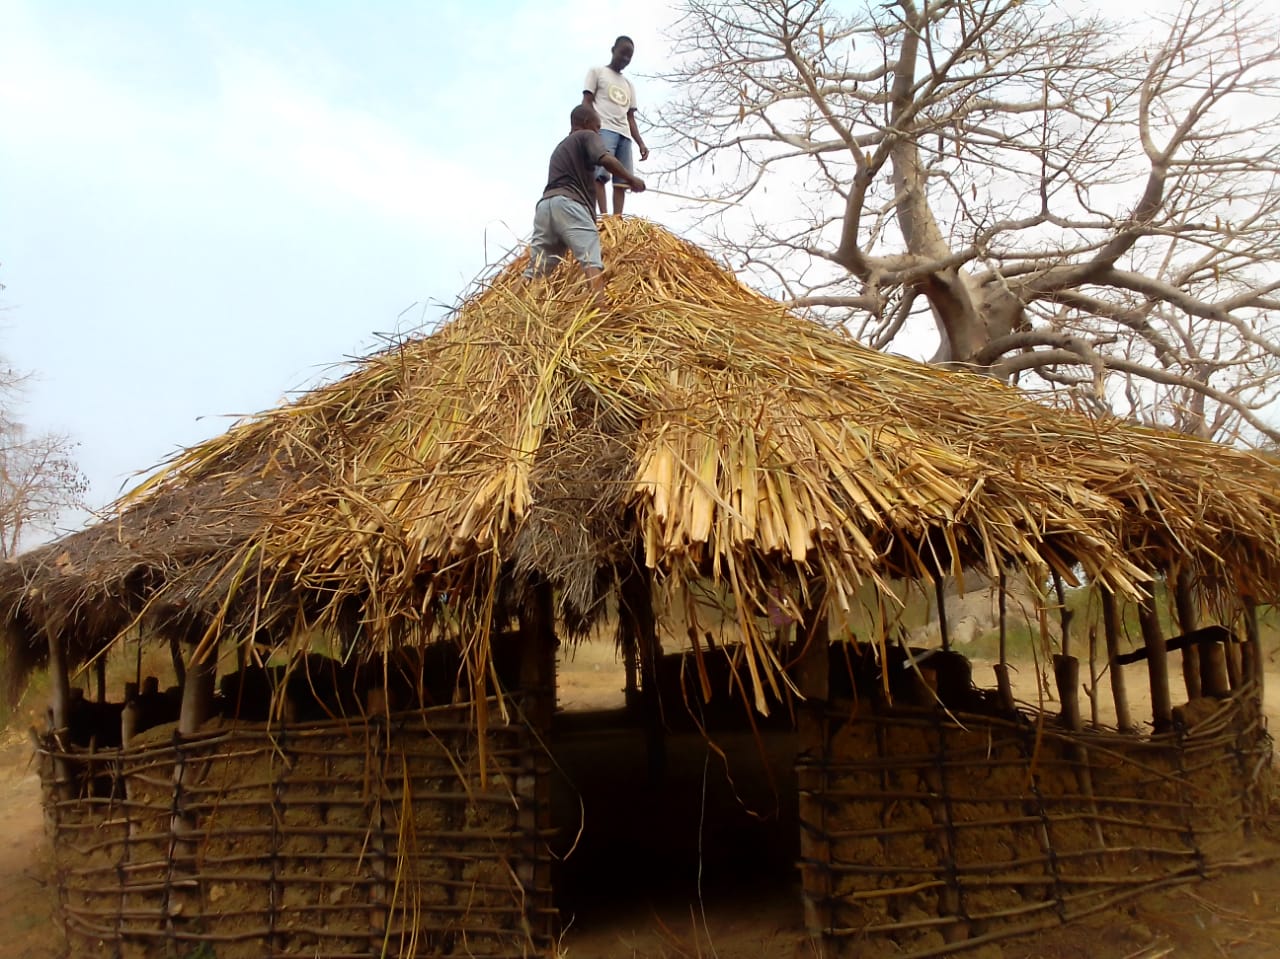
(1057, 189)
(38, 477)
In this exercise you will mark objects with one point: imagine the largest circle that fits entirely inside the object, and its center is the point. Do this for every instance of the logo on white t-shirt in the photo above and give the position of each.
(619, 94)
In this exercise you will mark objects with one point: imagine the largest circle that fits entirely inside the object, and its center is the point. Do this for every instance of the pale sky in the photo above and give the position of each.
(205, 205)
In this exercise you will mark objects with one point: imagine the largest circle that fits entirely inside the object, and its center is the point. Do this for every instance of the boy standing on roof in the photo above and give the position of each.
(565, 216)
(614, 98)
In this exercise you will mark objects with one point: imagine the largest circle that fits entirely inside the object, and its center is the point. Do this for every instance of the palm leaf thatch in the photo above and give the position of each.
(693, 422)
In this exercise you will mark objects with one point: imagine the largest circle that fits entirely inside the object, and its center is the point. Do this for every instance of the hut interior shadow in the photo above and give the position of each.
(718, 828)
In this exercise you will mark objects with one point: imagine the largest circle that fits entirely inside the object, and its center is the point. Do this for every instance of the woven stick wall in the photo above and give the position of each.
(340, 839)
(935, 833)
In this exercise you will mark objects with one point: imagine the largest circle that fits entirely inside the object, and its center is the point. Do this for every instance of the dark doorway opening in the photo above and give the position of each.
(718, 830)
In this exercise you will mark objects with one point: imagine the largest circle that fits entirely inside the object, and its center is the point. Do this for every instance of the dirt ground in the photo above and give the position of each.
(721, 885)
(26, 900)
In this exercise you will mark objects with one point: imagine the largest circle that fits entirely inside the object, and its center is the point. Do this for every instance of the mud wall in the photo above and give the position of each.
(340, 839)
(928, 833)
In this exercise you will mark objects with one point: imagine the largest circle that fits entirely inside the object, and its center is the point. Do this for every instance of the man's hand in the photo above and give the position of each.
(644, 151)
(610, 163)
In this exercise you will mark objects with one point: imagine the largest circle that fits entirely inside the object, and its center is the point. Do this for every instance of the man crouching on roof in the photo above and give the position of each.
(565, 216)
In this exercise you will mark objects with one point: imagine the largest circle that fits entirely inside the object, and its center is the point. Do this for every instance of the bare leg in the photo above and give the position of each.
(595, 276)
(600, 198)
(618, 195)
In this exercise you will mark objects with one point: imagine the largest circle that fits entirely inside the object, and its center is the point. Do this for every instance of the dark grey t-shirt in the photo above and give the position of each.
(573, 168)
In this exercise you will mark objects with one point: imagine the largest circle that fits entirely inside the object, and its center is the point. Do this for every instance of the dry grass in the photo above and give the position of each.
(535, 435)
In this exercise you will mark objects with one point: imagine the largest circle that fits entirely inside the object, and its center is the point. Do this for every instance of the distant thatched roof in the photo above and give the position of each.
(693, 419)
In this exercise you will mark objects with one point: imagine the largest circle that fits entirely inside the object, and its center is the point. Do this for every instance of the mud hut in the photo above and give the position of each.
(364, 589)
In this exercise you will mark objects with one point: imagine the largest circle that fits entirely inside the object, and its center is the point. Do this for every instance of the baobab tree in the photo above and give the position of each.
(1087, 207)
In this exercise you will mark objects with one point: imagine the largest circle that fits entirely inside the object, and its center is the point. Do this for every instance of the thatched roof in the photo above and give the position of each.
(692, 419)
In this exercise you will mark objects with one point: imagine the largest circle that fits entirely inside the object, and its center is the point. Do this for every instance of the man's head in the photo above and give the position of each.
(623, 50)
(584, 117)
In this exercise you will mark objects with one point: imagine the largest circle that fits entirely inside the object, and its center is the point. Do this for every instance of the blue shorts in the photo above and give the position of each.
(559, 224)
(620, 147)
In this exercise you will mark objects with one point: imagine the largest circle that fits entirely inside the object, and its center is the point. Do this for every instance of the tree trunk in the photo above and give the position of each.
(969, 316)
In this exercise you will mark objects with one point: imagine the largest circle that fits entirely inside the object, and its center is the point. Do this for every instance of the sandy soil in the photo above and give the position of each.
(703, 869)
(25, 899)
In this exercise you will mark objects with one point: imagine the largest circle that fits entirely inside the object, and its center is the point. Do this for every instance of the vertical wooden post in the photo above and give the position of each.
(380, 890)
(1003, 684)
(533, 785)
(940, 591)
(129, 717)
(1064, 615)
(1066, 673)
(1111, 630)
(60, 715)
(100, 676)
(1253, 642)
(59, 686)
(631, 685)
(198, 686)
(635, 615)
(1184, 603)
(1233, 653)
(1066, 668)
(175, 654)
(1157, 665)
(538, 657)
(1210, 659)
(1093, 676)
(812, 677)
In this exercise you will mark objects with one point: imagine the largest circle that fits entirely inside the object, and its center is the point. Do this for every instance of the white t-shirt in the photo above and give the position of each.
(615, 97)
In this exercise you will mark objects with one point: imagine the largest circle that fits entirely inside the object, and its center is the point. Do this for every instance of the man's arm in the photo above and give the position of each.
(588, 99)
(614, 166)
(635, 134)
(589, 87)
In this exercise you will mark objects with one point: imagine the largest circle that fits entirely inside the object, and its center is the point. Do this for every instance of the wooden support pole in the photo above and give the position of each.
(812, 678)
(100, 676)
(635, 614)
(199, 682)
(1157, 665)
(1254, 658)
(175, 654)
(380, 890)
(1066, 674)
(1234, 653)
(1111, 630)
(533, 786)
(1004, 685)
(129, 717)
(538, 657)
(59, 686)
(1210, 658)
(60, 715)
(1064, 615)
(1184, 603)
(1093, 677)
(1066, 668)
(940, 591)
(630, 664)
